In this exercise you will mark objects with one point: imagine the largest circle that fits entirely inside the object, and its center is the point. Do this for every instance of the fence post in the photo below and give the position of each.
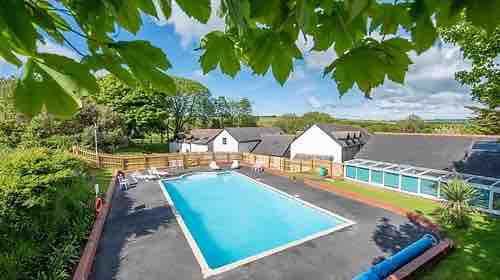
(145, 162)
(227, 157)
(98, 163)
(268, 162)
(184, 161)
(300, 166)
(123, 164)
(331, 168)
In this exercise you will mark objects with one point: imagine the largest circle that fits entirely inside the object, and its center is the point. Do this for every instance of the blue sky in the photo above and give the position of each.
(429, 90)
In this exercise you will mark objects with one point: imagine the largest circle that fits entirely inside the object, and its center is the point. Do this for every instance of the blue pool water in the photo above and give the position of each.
(231, 217)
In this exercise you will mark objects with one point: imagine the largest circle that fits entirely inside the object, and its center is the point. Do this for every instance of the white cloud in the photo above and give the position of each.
(429, 91)
(314, 60)
(50, 47)
(7, 69)
(188, 28)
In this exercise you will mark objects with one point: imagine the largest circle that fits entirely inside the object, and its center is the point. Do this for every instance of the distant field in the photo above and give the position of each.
(370, 125)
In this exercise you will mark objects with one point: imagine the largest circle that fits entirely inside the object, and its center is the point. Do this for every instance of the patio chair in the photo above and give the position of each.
(213, 165)
(258, 167)
(235, 164)
(123, 183)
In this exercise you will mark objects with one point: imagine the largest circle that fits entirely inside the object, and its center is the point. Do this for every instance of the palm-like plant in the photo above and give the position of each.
(456, 209)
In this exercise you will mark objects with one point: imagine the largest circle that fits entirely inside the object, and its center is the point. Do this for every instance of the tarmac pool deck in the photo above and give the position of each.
(142, 239)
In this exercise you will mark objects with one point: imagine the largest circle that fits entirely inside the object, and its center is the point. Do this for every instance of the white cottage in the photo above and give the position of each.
(328, 141)
(241, 139)
(198, 140)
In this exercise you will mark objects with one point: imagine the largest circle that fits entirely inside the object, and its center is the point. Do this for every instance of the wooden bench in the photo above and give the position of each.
(429, 257)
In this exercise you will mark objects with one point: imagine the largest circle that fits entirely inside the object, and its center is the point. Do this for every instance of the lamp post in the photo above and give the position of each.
(95, 138)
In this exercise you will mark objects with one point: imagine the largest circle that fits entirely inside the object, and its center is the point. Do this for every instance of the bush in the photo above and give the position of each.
(456, 210)
(45, 214)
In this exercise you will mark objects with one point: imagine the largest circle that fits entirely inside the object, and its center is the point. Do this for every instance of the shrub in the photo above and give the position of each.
(45, 214)
(456, 210)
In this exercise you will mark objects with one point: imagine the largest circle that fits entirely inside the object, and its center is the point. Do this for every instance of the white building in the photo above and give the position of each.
(198, 140)
(241, 139)
(327, 141)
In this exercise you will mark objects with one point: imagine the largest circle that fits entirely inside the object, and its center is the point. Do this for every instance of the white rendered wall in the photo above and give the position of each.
(316, 142)
(230, 146)
(193, 148)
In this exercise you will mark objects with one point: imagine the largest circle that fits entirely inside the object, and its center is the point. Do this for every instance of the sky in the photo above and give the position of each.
(429, 91)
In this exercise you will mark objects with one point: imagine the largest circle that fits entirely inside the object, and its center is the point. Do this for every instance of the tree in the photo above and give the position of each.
(189, 102)
(455, 210)
(142, 109)
(260, 34)
(222, 112)
(7, 87)
(486, 121)
(245, 117)
(482, 49)
(412, 124)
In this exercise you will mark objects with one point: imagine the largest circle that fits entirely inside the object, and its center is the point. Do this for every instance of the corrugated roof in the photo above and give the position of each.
(345, 135)
(246, 134)
(428, 151)
(274, 145)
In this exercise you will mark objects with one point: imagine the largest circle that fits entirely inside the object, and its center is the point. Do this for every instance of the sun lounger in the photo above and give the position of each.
(158, 173)
(235, 164)
(213, 165)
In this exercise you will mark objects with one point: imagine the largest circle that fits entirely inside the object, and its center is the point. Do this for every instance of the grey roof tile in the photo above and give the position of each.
(432, 151)
(274, 145)
(246, 134)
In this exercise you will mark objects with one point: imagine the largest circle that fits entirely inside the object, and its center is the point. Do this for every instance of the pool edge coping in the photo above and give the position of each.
(206, 271)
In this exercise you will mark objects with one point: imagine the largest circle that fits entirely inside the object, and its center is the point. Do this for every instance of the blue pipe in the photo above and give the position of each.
(393, 263)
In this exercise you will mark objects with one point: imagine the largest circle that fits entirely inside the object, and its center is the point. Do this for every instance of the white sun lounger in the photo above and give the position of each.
(213, 165)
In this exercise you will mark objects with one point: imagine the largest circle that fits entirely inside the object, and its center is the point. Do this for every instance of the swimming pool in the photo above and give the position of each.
(230, 219)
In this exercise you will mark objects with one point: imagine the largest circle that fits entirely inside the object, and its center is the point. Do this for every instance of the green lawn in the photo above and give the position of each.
(138, 149)
(477, 253)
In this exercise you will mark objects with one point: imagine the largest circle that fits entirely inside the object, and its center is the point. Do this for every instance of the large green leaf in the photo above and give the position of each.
(388, 17)
(273, 49)
(219, 50)
(333, 29)
(7, 54)
(146, 63)
(52, 82)
(423, 33)
(198, 9)
(483, 13)
(111, 63)
(305, 14)
(379, 59)
(16, 26)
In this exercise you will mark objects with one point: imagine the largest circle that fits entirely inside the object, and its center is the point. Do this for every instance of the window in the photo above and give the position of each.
(224, 140)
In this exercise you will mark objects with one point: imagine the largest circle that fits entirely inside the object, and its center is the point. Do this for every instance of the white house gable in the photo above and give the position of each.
(224, 142)
(316, 142)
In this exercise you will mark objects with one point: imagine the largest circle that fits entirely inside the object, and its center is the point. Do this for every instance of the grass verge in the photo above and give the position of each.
(477, 254)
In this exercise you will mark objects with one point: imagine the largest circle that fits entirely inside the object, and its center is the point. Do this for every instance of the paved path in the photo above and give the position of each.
(142, 240)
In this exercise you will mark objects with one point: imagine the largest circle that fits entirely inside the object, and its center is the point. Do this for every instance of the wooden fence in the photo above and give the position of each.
(294, 166)
(139, 162)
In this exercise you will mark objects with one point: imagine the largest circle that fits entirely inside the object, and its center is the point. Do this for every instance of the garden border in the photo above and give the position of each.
(84, 268)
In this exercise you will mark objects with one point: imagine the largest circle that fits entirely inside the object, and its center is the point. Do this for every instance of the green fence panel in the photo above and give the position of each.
(351, 172)
(391, 180)
(377, 177)
(409, 184)
(363, 174)
(429, 187)
(496, 201)
(482, 198)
